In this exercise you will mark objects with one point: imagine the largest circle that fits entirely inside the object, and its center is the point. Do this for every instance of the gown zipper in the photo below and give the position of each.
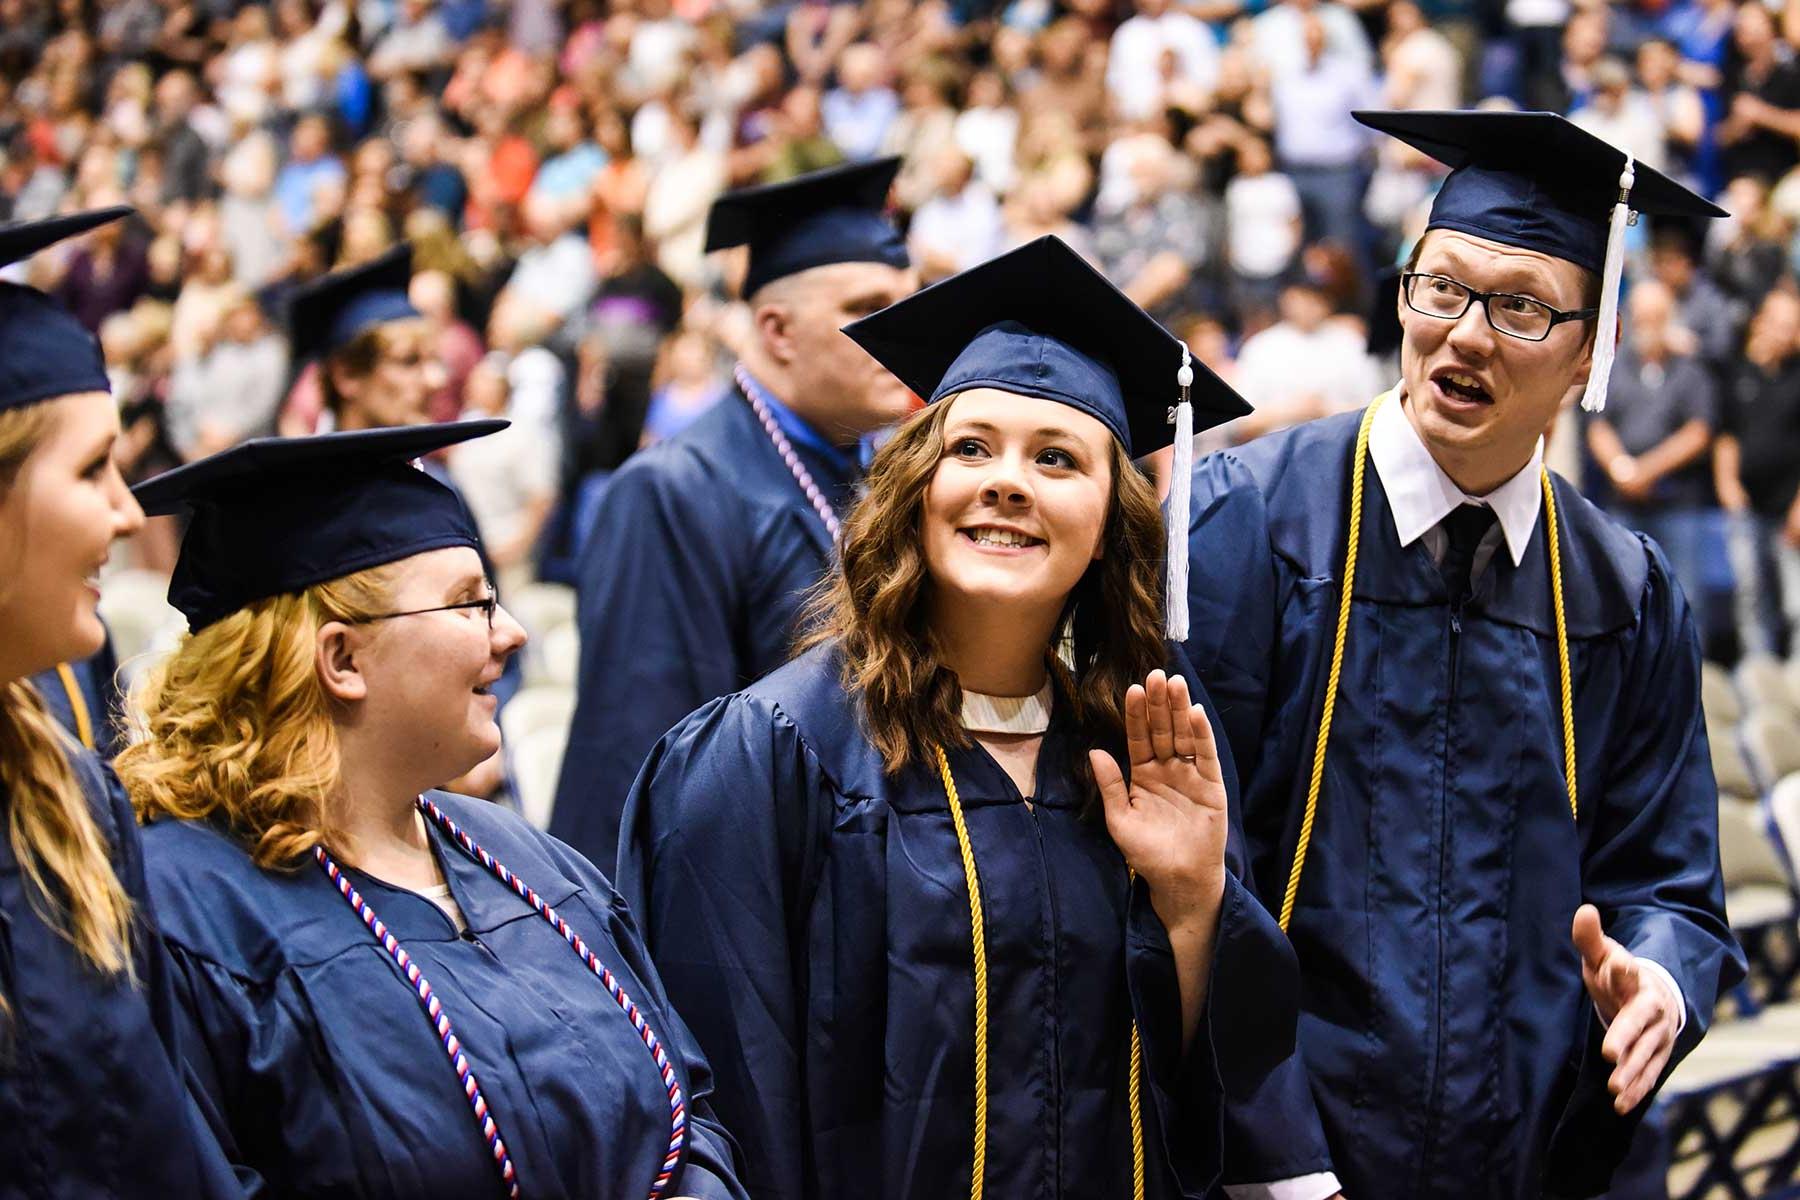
(1437, 1041)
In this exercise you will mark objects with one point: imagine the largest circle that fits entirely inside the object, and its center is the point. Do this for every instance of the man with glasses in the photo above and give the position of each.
(1465, 709)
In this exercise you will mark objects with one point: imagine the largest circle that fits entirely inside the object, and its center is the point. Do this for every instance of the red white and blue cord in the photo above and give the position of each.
(440, 1020)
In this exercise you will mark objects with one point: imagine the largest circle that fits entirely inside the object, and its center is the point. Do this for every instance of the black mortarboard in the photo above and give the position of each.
(831, 216)
(1538, 181)
(1039, 321)
(327, 313)
(1532, 179)
(277, 515)
(44, 351)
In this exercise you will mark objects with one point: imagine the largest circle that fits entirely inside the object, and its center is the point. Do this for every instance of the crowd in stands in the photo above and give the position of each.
(551, 163)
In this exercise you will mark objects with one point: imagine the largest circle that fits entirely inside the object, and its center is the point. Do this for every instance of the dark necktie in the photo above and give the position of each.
(1465, 528)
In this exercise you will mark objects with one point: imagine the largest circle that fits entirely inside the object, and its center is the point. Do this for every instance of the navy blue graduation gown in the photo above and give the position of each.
(1448, 1045)
(691, 586)
(92, 1102)
(326, 1079)
(810, 916)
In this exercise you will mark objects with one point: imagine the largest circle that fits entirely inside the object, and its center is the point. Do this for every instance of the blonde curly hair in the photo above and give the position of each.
(235, 726)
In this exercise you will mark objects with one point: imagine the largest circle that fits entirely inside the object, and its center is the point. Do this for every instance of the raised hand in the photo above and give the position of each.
(1170, 822)
(1639, 1011)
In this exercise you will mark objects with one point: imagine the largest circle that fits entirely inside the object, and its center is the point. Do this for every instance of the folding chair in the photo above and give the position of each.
(1771, 738)
(1759, 902)
(541, 607)
(1731, 770)
(1719, 697)
(1742, 1081)
(1762, 681)
(536, 761)
(537, 707)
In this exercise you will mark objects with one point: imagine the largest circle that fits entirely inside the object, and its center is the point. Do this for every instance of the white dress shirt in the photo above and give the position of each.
(1421, 495)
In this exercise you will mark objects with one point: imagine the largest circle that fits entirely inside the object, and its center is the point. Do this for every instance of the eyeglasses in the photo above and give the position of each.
(487, 604)
(1516, 316)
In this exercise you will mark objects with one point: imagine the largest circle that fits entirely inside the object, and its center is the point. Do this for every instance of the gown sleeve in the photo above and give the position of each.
(708, 1163)
(1272, 1129)
(658, 591)
(712, 858)
(1252, 1002)
(155, 977)
(216, 1026)
(1651, 867)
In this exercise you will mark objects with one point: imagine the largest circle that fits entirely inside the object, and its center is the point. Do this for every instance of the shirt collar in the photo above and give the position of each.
(799, 432)
(1422, 495)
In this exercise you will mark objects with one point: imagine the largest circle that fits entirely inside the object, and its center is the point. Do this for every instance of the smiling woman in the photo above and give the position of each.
(376, 1003)
(84, 990)
(901, 888)
(957, 480)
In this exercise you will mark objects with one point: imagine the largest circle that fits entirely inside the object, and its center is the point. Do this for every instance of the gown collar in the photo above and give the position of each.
(981, 780)
(842, 461)
(1422, 495)
(1008, 714)
(485, 904)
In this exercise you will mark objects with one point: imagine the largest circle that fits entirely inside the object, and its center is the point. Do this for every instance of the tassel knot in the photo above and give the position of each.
(1606, 326)
(1181, 484)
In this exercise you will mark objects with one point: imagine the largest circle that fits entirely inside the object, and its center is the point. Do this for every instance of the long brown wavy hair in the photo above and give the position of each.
(875, 608)
(59, 846)
(234, 725)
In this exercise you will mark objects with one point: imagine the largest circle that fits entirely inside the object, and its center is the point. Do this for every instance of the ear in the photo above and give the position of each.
(1584, 360)
(775, 326)
(334, 658)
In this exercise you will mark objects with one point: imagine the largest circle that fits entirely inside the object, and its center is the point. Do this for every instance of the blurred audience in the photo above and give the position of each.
(552, 165)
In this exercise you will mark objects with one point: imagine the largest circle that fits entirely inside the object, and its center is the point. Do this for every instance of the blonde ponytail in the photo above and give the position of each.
(59, 847)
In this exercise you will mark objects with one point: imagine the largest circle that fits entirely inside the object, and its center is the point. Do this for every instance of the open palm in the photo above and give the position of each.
(1170, 821)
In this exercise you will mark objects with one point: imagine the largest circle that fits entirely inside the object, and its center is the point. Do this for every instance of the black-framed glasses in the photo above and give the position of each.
(487, 604)
(1516, 316)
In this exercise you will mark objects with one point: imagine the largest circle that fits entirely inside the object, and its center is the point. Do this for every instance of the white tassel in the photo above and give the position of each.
(1181, 485)
(1606, 331)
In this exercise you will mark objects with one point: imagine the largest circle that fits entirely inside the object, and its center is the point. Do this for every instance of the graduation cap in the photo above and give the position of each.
(328, 313)
(1039, 321)
(44, 351)
(1540, 182)
(276, 515)
(831, 216)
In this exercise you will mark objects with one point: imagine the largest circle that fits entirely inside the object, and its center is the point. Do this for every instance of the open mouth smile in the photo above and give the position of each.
(997, 539)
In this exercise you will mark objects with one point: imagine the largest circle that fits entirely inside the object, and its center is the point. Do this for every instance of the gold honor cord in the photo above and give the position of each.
(978, 937)
(84, 725)
(1348, 586)
(1562, 647)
